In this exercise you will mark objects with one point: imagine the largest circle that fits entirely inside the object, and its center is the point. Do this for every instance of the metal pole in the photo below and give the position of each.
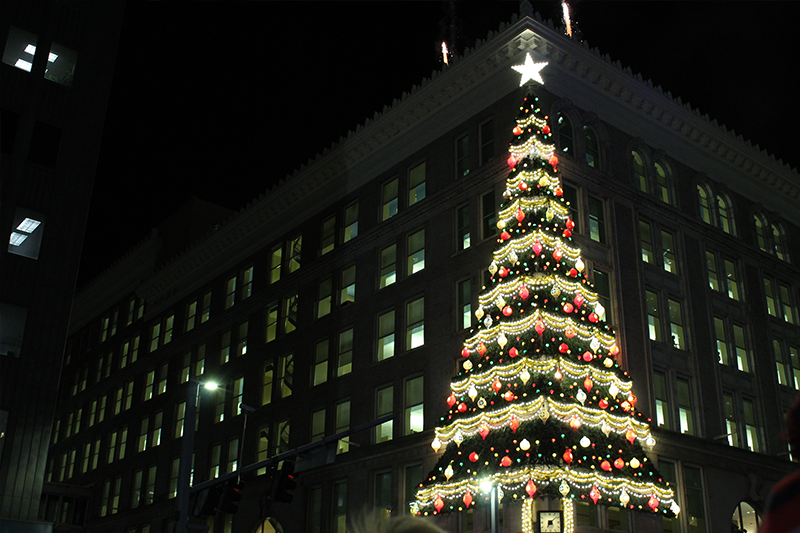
(493, 505)
(187, 447)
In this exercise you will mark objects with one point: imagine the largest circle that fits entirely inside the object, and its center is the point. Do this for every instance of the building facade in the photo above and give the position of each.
(57, 63)
(344, 294)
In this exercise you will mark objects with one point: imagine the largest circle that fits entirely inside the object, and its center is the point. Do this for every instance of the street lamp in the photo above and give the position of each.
(187, 447)
(491, 488)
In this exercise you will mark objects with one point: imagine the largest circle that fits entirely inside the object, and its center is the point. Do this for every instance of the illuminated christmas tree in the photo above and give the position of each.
(541, 406)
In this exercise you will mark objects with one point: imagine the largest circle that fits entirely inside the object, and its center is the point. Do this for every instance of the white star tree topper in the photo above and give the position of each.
(530, 70)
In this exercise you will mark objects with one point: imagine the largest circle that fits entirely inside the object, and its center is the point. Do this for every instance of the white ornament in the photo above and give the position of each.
(555, 291)
(544, 414)
(436, 444)
(500, 302)
(525, 445)
(605, 428)
(624, 498)
(479, 313)
(472, 392)
(599, 310)
(650, 441)
(581, 396)
(675, 508)
(502, 340)
(492, 268)
(448, 472)
(524, 376)
(613, 390)
(487, 321)
(458, 438)
(513, 258)
(530, 70)
(563, 488)
(481, 402)
(579, 265)
(585, 442)
(635, 463)
(467, 365)
(594, 344)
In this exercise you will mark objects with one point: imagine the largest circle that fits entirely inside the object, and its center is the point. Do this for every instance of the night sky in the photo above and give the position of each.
(220, 99)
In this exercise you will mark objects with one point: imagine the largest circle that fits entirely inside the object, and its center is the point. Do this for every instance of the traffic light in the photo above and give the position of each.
(207, 500)
(231, 497)
(283, 488)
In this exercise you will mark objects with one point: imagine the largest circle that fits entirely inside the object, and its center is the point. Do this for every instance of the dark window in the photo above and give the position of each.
(9, 122)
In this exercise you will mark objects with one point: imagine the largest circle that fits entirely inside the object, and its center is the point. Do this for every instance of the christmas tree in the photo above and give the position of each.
(541, 406)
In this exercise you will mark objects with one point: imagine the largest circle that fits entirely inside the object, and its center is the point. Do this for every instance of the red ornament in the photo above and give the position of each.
(514, 423)
(559, 191)
(481, 348)
(438, 503)
(619, 463)
(614, 350)
(484, 431)
(465, 352)
(503, 272)
(603, 403)
(566, 233)
(511, 160)
(507, 310)
(462, 407)
(593, 317)
(473, 457)
(630, 435)
(594, 494)
(569, 223)
(632, 398)
(505, 235)
(508, 396)
(467, 499)
(505, 461)
(569, 332)
(523, 293)
(578, 300)
(575, 422)
(497, 385)
(605, 465)
(523, 186)
(451, 400)
(553, 160)
(520, 215)
(546, 129)
(572, 272)
(517, 130)
(568, 456)
(539, 326)
(558, 254)
(568, 307)
(587, 384)
(513, 352)
(563, 348)
(537, 247)
(530, 488)
(653, 502)
(587, 356)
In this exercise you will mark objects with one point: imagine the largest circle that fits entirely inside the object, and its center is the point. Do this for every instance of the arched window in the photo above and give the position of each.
(745, 518)
(725, 215)
(638, 171)
(592, 149)
(777, 242)
(662, 184)
(761, 236)
(705, 203)
(565, 135)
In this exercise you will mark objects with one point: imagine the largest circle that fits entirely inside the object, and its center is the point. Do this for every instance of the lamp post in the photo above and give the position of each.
(187, 447)
(491, 488)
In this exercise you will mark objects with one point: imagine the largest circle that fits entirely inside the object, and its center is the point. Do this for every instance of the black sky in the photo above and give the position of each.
(220, 99)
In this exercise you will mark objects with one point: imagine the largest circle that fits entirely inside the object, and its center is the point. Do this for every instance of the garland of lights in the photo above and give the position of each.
(523, 244)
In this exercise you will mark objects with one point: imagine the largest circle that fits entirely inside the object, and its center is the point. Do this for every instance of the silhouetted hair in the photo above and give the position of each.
(379, 522)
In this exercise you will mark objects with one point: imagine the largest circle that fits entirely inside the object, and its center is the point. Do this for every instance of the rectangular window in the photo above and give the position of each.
(794, 359)
(123, 354)
(123, 442)
(318, 425)
(389, 203)
(343, 424)
(149, 383)
(295, 247)
(670, 262)
(348, 291)
(462, 228)
(772, 306)
(416, 184)
(135, 349)
(314, 518)
(416, 252)
(213, 471)
(386, 335)
(155, 334)
(241, 345)
(276, 260)
(205, 315)
(87, 453)
(180, 418)
(383, 491)
(730, 419)
(286, 375)
(653, 316)
(648, 252)
(602, 284)
(219, 409)
(262, 448)
(328, 235)
(271, 328)
(267, 378)
(247, 283)
(414, 412)
(350, 223)
(388, 266)
(230, 292)
(488, 216)
(344, 364)
(174, 470)
(752, 431)
(169, 326)
(742, 354)
(101, 411)
(225, 348)
(722, 344)
(290, 314)
(733, 284)
(319, 373)
(238, 394)
(339, 507)
(486, 131)
(143, 435)
(92, 414)
(71, 470)
(162, 379)
(384, 405)
(155, 436)
(685, 418)
(676, 325)
(282, 430)
(597, 219)
(415, 323)
(233, 456)
(662, 399)
(128, 395)
(412, 478)
(462, 156)
(200, 364)
(136, 492)
(464, 305)
(695, 508)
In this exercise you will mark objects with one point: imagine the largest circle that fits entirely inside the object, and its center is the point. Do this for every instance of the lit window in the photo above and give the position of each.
(295, 247)
(565, 135)
(464, 304)
(778, 242)
(342, 424)
(350, 223)
(238, 394)
(384, 405)
(685, 418)
(742, 354)
(339, 510)
(230, 292)
(662, 399)
(388, 266)
(414, 409)
(26, 238)
(668, 252)
(61, 65)
(20, 49)
(705, 203)
(320, 370)
(271, 323)
(761, 235)
(415, 324)
(267, 377)
(731, 281)
(247, 283)
(462, 156)
(328, 235)
(731, 431)
(317, 425)
(462, 228)
(275, 264)
(602, 285)
(155, 436)
(725, 215)
(225, 348)
(676, 324)
(653, 316)
(286, 375)
(638, 171)
(592, 149)
(290, 314)
(348, 291)
(344, 365)
(662, 184)
(386, 335)
(241, 344)
(597, 220)
(416, 184)
(648, 254)
(389, 200)
(416, 252)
